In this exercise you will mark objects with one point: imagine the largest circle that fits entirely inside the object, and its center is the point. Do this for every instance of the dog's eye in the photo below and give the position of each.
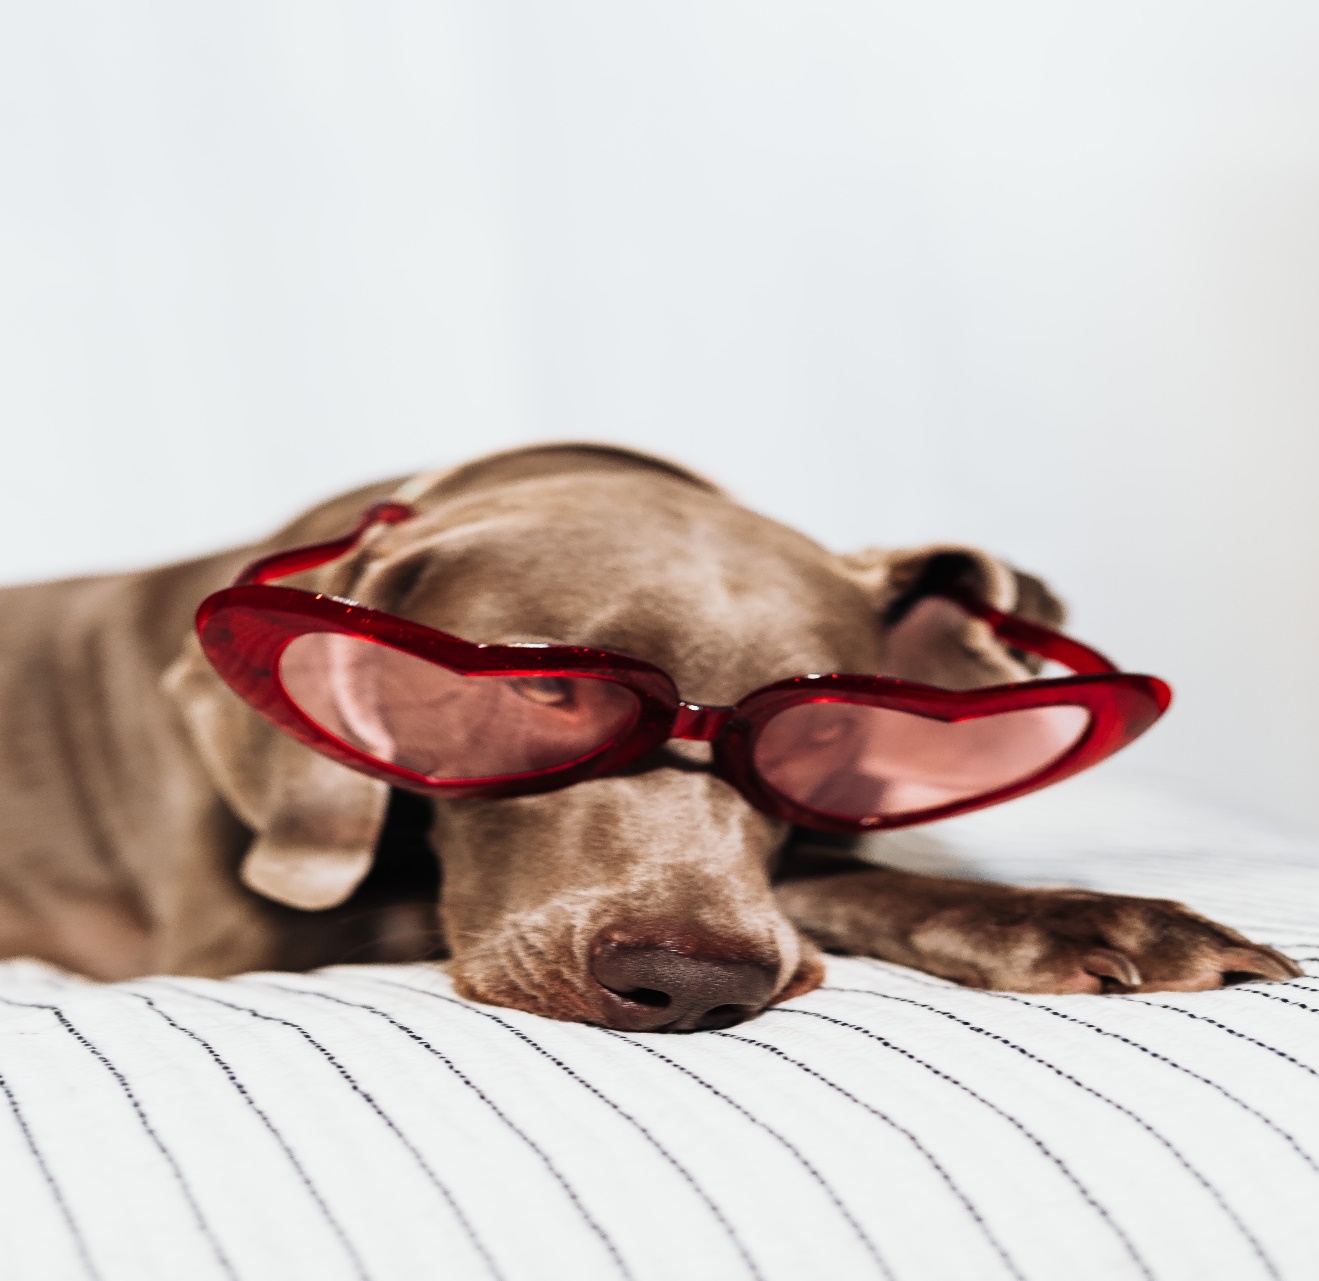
(835, 730)
(548, 691)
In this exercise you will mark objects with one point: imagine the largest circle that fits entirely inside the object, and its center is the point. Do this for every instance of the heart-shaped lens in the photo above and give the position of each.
(410, 712)
(852, 761)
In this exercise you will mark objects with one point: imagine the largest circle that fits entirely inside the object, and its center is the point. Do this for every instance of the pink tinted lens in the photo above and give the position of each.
(852, 761)
(407, 711)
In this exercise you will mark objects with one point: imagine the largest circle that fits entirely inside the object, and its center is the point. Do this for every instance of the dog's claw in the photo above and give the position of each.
(1265, 962)
(1105, 963)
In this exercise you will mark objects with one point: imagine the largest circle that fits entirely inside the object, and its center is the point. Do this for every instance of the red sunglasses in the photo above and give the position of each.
(446, 717)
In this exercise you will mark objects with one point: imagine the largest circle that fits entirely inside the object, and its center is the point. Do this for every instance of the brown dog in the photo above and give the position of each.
(150, 821)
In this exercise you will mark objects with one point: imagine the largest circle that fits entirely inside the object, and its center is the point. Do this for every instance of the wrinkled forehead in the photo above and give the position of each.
(720, 597)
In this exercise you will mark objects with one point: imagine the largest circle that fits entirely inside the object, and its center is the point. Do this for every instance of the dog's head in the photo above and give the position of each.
(642, 900)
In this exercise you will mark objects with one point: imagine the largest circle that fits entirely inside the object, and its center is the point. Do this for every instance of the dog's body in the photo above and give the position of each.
(150, 821)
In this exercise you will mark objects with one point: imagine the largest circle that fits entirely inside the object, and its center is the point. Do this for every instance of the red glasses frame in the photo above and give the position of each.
(244, 629)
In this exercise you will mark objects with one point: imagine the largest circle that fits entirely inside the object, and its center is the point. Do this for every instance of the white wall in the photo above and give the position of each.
(1043, 277)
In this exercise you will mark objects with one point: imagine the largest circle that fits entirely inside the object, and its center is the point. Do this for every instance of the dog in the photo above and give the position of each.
(151, 821)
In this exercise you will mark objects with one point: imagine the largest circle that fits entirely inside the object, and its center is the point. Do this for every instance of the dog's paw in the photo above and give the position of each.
(1078, 941)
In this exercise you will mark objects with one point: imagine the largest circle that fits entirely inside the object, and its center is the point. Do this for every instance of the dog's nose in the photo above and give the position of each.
(653, 989)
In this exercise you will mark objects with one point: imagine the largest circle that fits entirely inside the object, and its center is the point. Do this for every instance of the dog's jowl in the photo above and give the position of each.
(617, 835)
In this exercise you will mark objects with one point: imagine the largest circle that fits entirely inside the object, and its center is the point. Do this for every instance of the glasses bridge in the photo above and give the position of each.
(698, 723)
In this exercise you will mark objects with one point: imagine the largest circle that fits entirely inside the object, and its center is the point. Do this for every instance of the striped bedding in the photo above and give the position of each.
(366, 1123)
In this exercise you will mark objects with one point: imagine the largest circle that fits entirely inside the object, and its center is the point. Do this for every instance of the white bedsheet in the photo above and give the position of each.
(365, 1123)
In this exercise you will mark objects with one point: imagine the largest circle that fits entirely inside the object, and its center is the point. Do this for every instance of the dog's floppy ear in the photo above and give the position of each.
(930, 639)
(315, 822)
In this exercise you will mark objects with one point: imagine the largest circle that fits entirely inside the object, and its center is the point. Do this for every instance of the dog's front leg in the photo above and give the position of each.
(1024, 940)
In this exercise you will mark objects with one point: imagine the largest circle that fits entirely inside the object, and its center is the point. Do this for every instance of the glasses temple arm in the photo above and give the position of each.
(297, 559)
(1035, 638)
(1018, 632)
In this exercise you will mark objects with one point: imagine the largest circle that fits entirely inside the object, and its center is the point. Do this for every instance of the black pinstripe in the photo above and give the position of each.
(1223, 1027)
(1273, 996)
(1289, 1139)
(1271, 1124)
(976, 1217)
(75, 1232)
(434, 1179)
(185, 1188)
(591, 1222)
(1247, 1235)
(312, 1190)
(668, 1156)
(871, 1248)
(1086, 1195)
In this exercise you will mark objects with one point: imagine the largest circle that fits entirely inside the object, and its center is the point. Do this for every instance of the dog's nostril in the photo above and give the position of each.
(648, 996)
(665, 988)
(723, 1016)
